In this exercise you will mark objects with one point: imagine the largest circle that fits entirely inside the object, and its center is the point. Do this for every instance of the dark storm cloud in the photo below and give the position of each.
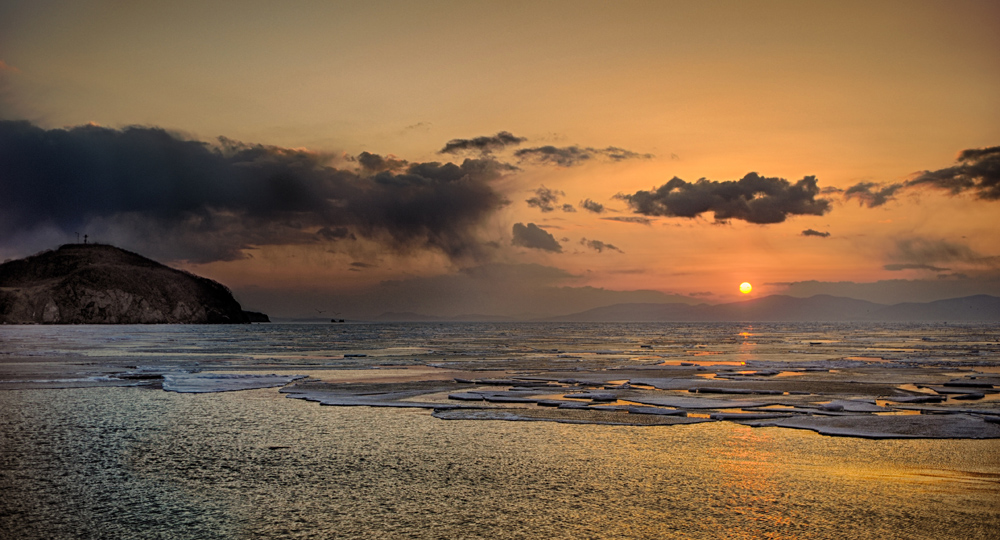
(483, 145)
(753, 198)
(336, 233)
(592, 206)
(374, 163)
(599, 246)
(871, 194)
(568, 156)
(898, 267)
(545, 199)
(532, 236)
(977, 172)
(184, 199)
(812, 232)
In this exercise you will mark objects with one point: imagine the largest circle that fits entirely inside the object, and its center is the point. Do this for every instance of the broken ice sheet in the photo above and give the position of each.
(200, 383)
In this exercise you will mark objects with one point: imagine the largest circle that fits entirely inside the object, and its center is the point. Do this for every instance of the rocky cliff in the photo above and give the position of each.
(101, 284)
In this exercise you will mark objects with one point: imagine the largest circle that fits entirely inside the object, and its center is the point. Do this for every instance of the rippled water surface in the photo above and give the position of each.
(135, 462)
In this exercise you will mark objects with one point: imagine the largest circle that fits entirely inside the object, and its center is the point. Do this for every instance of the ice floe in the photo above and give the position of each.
(200, 383)
(954, 426)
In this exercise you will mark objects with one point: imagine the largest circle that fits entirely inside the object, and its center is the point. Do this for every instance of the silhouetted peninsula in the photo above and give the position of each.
(102, 284)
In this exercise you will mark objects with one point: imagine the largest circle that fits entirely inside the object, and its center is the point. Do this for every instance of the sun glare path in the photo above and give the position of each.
(745, 288)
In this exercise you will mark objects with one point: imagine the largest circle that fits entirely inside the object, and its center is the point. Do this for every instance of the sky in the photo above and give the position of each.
(516, 159)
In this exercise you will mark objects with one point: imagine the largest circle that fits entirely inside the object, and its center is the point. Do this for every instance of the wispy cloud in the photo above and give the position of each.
(871, 194)
(629, 219)
(977, 172)
(484, 145)
(599, 246)
(909, 266)
(568, 156)
(546, 200)
(812, 232)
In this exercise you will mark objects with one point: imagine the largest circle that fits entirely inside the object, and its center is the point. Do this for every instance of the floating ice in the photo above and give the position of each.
(951, 426)
(200, 383)
(851, 405)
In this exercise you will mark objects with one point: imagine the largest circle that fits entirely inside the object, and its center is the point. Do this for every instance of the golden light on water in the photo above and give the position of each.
(745, 288)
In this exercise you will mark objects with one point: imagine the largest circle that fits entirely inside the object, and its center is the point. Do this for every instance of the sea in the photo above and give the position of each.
(85, 453)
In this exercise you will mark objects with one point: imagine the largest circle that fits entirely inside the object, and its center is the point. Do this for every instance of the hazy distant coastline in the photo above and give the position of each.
(775, 308)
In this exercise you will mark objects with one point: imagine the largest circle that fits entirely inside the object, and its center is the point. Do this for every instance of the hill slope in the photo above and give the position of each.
(101, 284)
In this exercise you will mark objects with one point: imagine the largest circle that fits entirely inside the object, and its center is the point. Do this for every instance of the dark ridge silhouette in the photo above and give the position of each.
(102, 284)
(256, 316)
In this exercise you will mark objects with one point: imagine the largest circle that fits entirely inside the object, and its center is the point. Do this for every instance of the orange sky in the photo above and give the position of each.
(847, 92)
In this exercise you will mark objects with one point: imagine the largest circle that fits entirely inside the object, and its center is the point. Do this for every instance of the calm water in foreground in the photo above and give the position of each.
(132, 462)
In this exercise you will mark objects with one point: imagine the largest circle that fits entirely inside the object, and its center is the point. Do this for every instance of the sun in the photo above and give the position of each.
(745, 288)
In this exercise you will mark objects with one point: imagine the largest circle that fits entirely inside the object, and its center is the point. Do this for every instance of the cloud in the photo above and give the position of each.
(179, 199)
(592, 206)
(811, 232)
(4, 66)
(545, 200)
(871, 194)
(359, 264)
(977, 172)
(568, 208)
(532, 236)
(599, 246)
(898, 267)
(753, 198)
(629, 219)
(568, 156)
(374, 163)
(484, 145)
(927, 251)
(336, 233)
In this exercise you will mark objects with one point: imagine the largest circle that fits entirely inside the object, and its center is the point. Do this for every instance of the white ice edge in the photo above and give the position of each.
(200, 383)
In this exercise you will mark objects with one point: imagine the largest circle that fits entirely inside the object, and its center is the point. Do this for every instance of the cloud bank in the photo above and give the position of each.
(181, 199)
(753, 198)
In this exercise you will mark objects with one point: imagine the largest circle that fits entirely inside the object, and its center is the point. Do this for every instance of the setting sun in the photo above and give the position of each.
(745, 288)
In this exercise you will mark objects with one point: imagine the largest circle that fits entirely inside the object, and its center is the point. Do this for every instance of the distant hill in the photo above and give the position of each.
(101, 284)
(980, 307)
(779, 308)
(408, 316)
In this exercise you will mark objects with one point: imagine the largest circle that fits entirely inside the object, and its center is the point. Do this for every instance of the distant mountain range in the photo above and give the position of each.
(776, 308)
